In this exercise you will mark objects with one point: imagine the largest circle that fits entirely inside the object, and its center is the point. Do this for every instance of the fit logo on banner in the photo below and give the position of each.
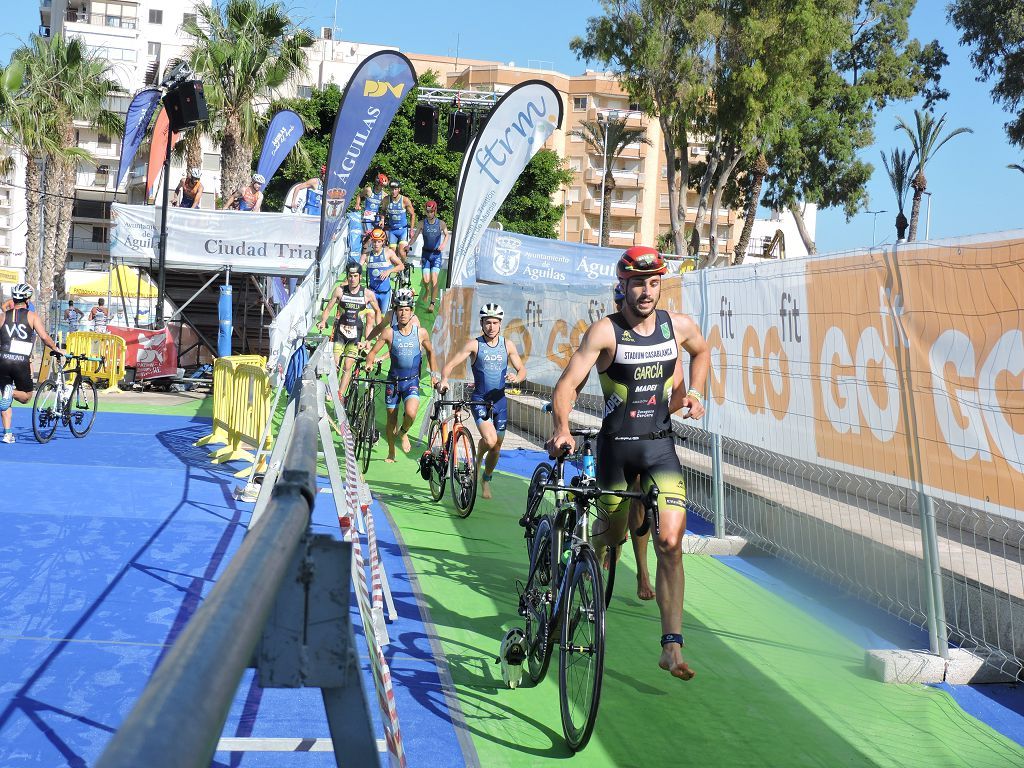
(377, 88)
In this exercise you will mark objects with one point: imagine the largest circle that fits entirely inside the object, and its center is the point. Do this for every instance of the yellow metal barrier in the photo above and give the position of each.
(112, 348)
(241, 407)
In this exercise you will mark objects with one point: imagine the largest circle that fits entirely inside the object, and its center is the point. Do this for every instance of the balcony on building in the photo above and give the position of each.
(45, 6)
(116, 16)
(620, 209)
(634, 117)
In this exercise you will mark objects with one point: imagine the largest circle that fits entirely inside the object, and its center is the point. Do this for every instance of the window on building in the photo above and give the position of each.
(579, 103)
(188, 18)
(574, 195)
(663, 201)
(305, 91)
(153, 49)
(664, 171)
(99, 234)
(90, 209)
(155, 16)
(103, 139)
(211, 162)
(573, 223)
(634, 106)
(575, 138)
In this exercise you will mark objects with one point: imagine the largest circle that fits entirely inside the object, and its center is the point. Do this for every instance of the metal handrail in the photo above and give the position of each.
(180, 716)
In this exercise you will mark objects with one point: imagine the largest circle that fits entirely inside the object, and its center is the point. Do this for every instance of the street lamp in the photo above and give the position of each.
(928, 217)
(873, 220)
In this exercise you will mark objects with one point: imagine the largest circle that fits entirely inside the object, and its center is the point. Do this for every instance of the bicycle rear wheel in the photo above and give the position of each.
(613, 557)
(45, 414)
(438, 463)
(82, 407)
(538, 618)
(581, 657)
(463, 461)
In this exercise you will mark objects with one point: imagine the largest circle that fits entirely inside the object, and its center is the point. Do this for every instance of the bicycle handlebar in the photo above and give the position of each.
(459, 405)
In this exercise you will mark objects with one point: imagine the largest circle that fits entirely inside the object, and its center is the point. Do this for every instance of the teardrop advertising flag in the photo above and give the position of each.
(136, 124)
(158, 153)
(368, 105)
(283, 134)
(514, 132)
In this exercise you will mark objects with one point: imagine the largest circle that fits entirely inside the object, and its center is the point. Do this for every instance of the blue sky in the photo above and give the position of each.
(973, 191)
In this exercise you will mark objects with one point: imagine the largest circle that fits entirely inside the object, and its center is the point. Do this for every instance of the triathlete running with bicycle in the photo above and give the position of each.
(381, 263)
(370, 201)
(18, 329)
(489, 355)
(636, 352)
(349, 327)
(400, 217)
(407, 341)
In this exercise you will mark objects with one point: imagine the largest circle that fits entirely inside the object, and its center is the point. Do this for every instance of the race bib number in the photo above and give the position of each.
(23, 348)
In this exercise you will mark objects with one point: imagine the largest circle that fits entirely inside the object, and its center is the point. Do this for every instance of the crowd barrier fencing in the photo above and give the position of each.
(111, 348)
(864, 419)
(241, 409)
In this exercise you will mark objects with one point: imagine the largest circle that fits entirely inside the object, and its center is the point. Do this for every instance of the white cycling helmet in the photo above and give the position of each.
(195, 173)
(492, 310)
(21, 292)
(258, 178)
(404, 297)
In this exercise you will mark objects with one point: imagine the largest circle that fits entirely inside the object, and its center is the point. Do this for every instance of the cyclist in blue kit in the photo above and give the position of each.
(435, 237)
(381, 264)
(407, 342)
(489, 355)
(400, 218)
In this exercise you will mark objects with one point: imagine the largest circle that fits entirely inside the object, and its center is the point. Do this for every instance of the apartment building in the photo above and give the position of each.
(138, 38)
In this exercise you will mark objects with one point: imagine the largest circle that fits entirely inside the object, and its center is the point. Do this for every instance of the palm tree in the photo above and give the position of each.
(897, 166)
(63, 83)
(608, 138)
(757, 173)
(243, 51)
(1017, 167)
(926, 138)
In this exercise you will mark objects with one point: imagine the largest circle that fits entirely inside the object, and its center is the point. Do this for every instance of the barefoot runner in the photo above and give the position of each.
(636, 352)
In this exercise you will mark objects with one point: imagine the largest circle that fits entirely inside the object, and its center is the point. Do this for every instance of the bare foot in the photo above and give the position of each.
(672, 661)
(406, 445)
(390, 459)
(644, 590)
(485, 489)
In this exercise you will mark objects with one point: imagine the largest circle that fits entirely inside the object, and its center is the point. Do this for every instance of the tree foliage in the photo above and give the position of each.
(995, 30)
(899, 168)
(243, 51)
(799, 83)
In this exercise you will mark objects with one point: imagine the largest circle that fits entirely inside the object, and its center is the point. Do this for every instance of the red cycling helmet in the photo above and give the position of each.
(431, 205)
(382, 179)
(378, 234)
(640, 261)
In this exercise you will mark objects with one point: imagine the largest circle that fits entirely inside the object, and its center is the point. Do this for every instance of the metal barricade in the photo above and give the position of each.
(112, 349)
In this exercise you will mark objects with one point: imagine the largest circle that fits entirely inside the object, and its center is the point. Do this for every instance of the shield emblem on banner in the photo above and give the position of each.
(335, 203)
(507, 251)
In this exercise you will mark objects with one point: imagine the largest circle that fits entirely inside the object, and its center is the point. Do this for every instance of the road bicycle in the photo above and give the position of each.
(58, 402)
(451, 455)
(361, 408)
(565, 590)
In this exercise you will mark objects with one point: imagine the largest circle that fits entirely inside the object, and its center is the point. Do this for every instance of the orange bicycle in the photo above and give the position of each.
(451, 455)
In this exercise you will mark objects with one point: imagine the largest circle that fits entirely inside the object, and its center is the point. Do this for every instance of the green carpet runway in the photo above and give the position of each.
(774, 686)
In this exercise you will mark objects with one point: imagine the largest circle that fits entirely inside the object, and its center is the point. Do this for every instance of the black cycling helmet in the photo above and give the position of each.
(354, 267)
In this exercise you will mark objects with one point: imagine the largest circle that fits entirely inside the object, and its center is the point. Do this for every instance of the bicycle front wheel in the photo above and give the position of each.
(438, 465)
(534, 495)
(581, 657)
(369, 429)
(45, 413)
(463, 462)
(82, 407)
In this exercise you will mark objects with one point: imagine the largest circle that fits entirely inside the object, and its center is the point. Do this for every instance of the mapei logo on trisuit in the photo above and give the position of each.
(377, 88)
(507, 252)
